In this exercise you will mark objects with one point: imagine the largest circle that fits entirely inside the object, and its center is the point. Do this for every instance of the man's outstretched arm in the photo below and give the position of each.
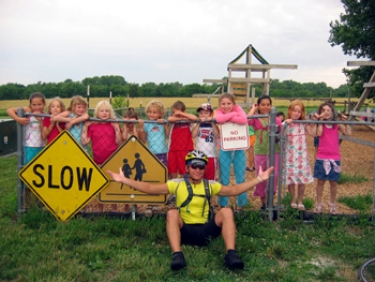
(235, 190)
(144, 187)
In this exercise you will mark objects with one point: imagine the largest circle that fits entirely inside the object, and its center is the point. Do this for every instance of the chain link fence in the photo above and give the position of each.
(102, 138)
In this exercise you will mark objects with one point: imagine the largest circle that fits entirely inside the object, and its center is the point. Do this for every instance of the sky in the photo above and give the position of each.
(165, 41)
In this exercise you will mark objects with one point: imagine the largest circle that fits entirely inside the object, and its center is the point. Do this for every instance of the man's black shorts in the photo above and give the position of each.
(199, 234)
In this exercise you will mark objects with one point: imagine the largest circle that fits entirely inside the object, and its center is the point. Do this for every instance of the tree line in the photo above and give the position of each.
(103, 85)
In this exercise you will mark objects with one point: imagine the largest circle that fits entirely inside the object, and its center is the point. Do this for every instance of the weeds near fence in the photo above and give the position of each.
(356, 178)
(361, 203)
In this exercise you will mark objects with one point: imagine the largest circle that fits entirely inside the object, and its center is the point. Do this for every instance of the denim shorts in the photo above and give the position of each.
(320, 173)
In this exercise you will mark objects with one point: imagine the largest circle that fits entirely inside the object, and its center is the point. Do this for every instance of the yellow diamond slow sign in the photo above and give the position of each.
(139, 163)
(63, 177)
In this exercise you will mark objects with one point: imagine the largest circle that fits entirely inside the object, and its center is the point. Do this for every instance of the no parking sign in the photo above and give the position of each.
(234, 136)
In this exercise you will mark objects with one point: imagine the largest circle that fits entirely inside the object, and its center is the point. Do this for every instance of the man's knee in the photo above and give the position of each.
(224, 215)
(173, 216)
(227, 213)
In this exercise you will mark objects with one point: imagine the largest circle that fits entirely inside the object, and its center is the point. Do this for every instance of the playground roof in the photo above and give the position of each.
(254, 52)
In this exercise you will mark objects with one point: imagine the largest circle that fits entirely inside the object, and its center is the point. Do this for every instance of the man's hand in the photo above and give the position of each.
(264, 175)
(119, 177)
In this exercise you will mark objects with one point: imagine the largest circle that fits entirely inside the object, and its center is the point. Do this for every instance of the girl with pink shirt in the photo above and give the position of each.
(327, 165)
(229, 111)
(105, 136)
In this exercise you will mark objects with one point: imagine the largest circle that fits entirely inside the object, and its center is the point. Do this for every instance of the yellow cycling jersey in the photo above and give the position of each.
(192, 213)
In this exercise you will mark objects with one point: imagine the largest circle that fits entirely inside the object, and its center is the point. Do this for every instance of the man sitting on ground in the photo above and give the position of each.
(192, 222)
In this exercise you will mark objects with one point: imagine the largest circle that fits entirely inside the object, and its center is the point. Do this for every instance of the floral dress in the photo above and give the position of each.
(297, 165)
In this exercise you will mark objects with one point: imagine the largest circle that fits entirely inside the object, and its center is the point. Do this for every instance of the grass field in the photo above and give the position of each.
(36, 247)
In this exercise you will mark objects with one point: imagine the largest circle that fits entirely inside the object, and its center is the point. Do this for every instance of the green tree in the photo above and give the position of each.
(355, 32)
(69, 89)
(149, 89)
(191, 89)
(169, 89)
(12, 91)
(134, 90)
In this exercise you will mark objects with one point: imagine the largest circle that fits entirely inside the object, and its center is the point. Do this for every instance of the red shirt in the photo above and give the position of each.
(103, 141)
(55, 131)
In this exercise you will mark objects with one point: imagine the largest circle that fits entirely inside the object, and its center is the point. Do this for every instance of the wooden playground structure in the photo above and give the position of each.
(248, 71)
(240, 86)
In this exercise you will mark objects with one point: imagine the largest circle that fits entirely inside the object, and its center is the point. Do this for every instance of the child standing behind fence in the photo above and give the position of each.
(297, 165)
(262, 145)
(130, 128)
(74, 117)
(156, 133)
(33, 134)
(206, 133)
(180, 139)
(105, 137)
(328, 159)
(52, 128)
(229, 111)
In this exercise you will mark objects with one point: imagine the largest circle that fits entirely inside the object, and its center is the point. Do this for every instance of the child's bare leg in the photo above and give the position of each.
(319, 190)
(319, 193)
(301, 192)
(333, 188)
(292, 192)
(263, 201)
(250, 157)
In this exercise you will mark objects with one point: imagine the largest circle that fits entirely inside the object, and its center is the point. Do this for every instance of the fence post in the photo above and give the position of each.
(20, 162)
(281, 180)
(272, 136)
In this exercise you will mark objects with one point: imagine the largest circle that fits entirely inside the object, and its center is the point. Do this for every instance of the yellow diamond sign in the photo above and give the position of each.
(139, 163)
(63, 177)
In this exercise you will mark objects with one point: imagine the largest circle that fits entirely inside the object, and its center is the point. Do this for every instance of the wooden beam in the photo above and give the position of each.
(360, 63)
(260, 67)
(219, 81)
(364, 95)
(303, 98)
(362, 114)
(248, 80)
(205, 95)
(368, 84)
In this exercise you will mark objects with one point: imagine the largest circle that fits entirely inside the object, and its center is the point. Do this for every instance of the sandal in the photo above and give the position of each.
(332, 208)
(318, 208)
(293, 205)
(301, 207)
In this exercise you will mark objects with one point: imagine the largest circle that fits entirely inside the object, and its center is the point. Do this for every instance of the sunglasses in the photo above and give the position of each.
(199, 166)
